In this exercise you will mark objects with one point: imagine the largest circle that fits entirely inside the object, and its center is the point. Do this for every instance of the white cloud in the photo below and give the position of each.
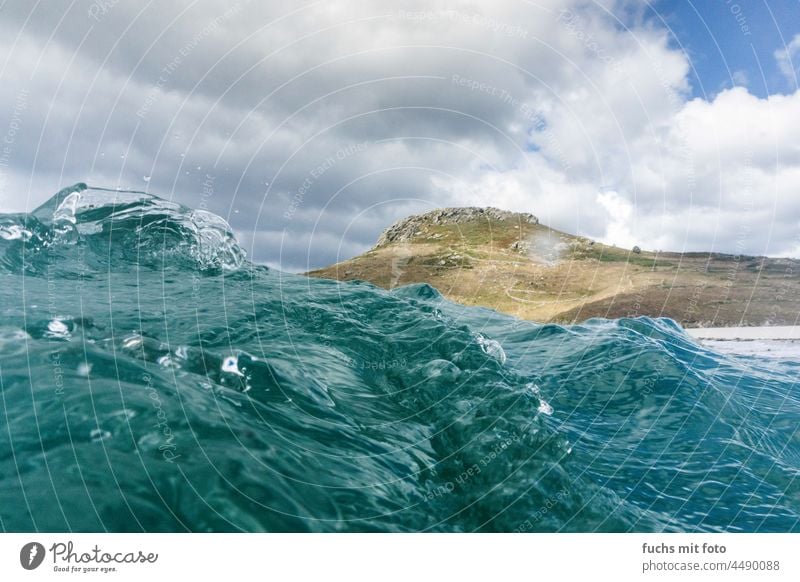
(787, 59)
(620, 217)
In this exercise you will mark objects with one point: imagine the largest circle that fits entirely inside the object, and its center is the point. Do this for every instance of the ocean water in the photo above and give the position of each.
(152, 379)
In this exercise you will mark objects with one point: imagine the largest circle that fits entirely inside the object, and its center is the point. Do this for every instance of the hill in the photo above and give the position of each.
(510, 262)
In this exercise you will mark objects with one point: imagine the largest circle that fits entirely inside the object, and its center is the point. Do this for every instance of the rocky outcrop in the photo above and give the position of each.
(404, 229)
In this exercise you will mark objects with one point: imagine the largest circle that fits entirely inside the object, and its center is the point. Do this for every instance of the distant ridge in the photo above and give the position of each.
(510, 262)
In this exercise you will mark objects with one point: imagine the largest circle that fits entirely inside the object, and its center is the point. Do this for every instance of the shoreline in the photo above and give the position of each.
(781, 341)
(772, 333)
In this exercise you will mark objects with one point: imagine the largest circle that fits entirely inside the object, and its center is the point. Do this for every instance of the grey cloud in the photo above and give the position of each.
(512, 104)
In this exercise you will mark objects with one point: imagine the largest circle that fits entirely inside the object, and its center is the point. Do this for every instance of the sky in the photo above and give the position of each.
(311, 126)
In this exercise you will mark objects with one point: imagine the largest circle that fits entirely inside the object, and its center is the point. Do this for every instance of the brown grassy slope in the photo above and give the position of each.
(538, 273)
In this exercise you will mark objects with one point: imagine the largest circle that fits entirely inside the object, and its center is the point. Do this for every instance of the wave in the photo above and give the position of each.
(153, 379)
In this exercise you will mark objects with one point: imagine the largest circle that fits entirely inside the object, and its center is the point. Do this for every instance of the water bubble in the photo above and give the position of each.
(167, 362)
(84, 369)
(125, 413)
(131, 342)
(15, 232)
(491, 348)
(57, 329)
(230, 364)
(545, 408)
(98, 434)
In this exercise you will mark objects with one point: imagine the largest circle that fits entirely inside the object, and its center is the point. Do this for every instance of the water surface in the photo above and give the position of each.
(152, 379)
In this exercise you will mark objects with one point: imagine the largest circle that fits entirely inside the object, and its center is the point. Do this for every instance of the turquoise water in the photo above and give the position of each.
(154, 380)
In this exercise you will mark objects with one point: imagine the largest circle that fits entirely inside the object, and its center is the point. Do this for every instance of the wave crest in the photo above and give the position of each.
(116, 229)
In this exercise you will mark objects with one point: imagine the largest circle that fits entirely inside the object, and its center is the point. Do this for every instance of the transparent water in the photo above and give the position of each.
(152, 379)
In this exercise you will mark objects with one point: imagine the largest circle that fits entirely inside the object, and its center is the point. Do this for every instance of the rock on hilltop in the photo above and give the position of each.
(404, 229)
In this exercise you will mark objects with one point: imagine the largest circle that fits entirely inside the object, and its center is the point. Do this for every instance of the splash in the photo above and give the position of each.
(125, 226)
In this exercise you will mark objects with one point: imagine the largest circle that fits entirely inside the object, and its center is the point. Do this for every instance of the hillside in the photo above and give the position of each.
(509, 262)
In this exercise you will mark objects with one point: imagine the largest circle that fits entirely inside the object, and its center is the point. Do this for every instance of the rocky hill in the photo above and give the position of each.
(405, 229)
(510, 262)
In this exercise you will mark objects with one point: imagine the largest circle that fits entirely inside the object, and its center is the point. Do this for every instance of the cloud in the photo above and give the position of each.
(620, 214)
(319, 124)
(740, 78)
(786, 58)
